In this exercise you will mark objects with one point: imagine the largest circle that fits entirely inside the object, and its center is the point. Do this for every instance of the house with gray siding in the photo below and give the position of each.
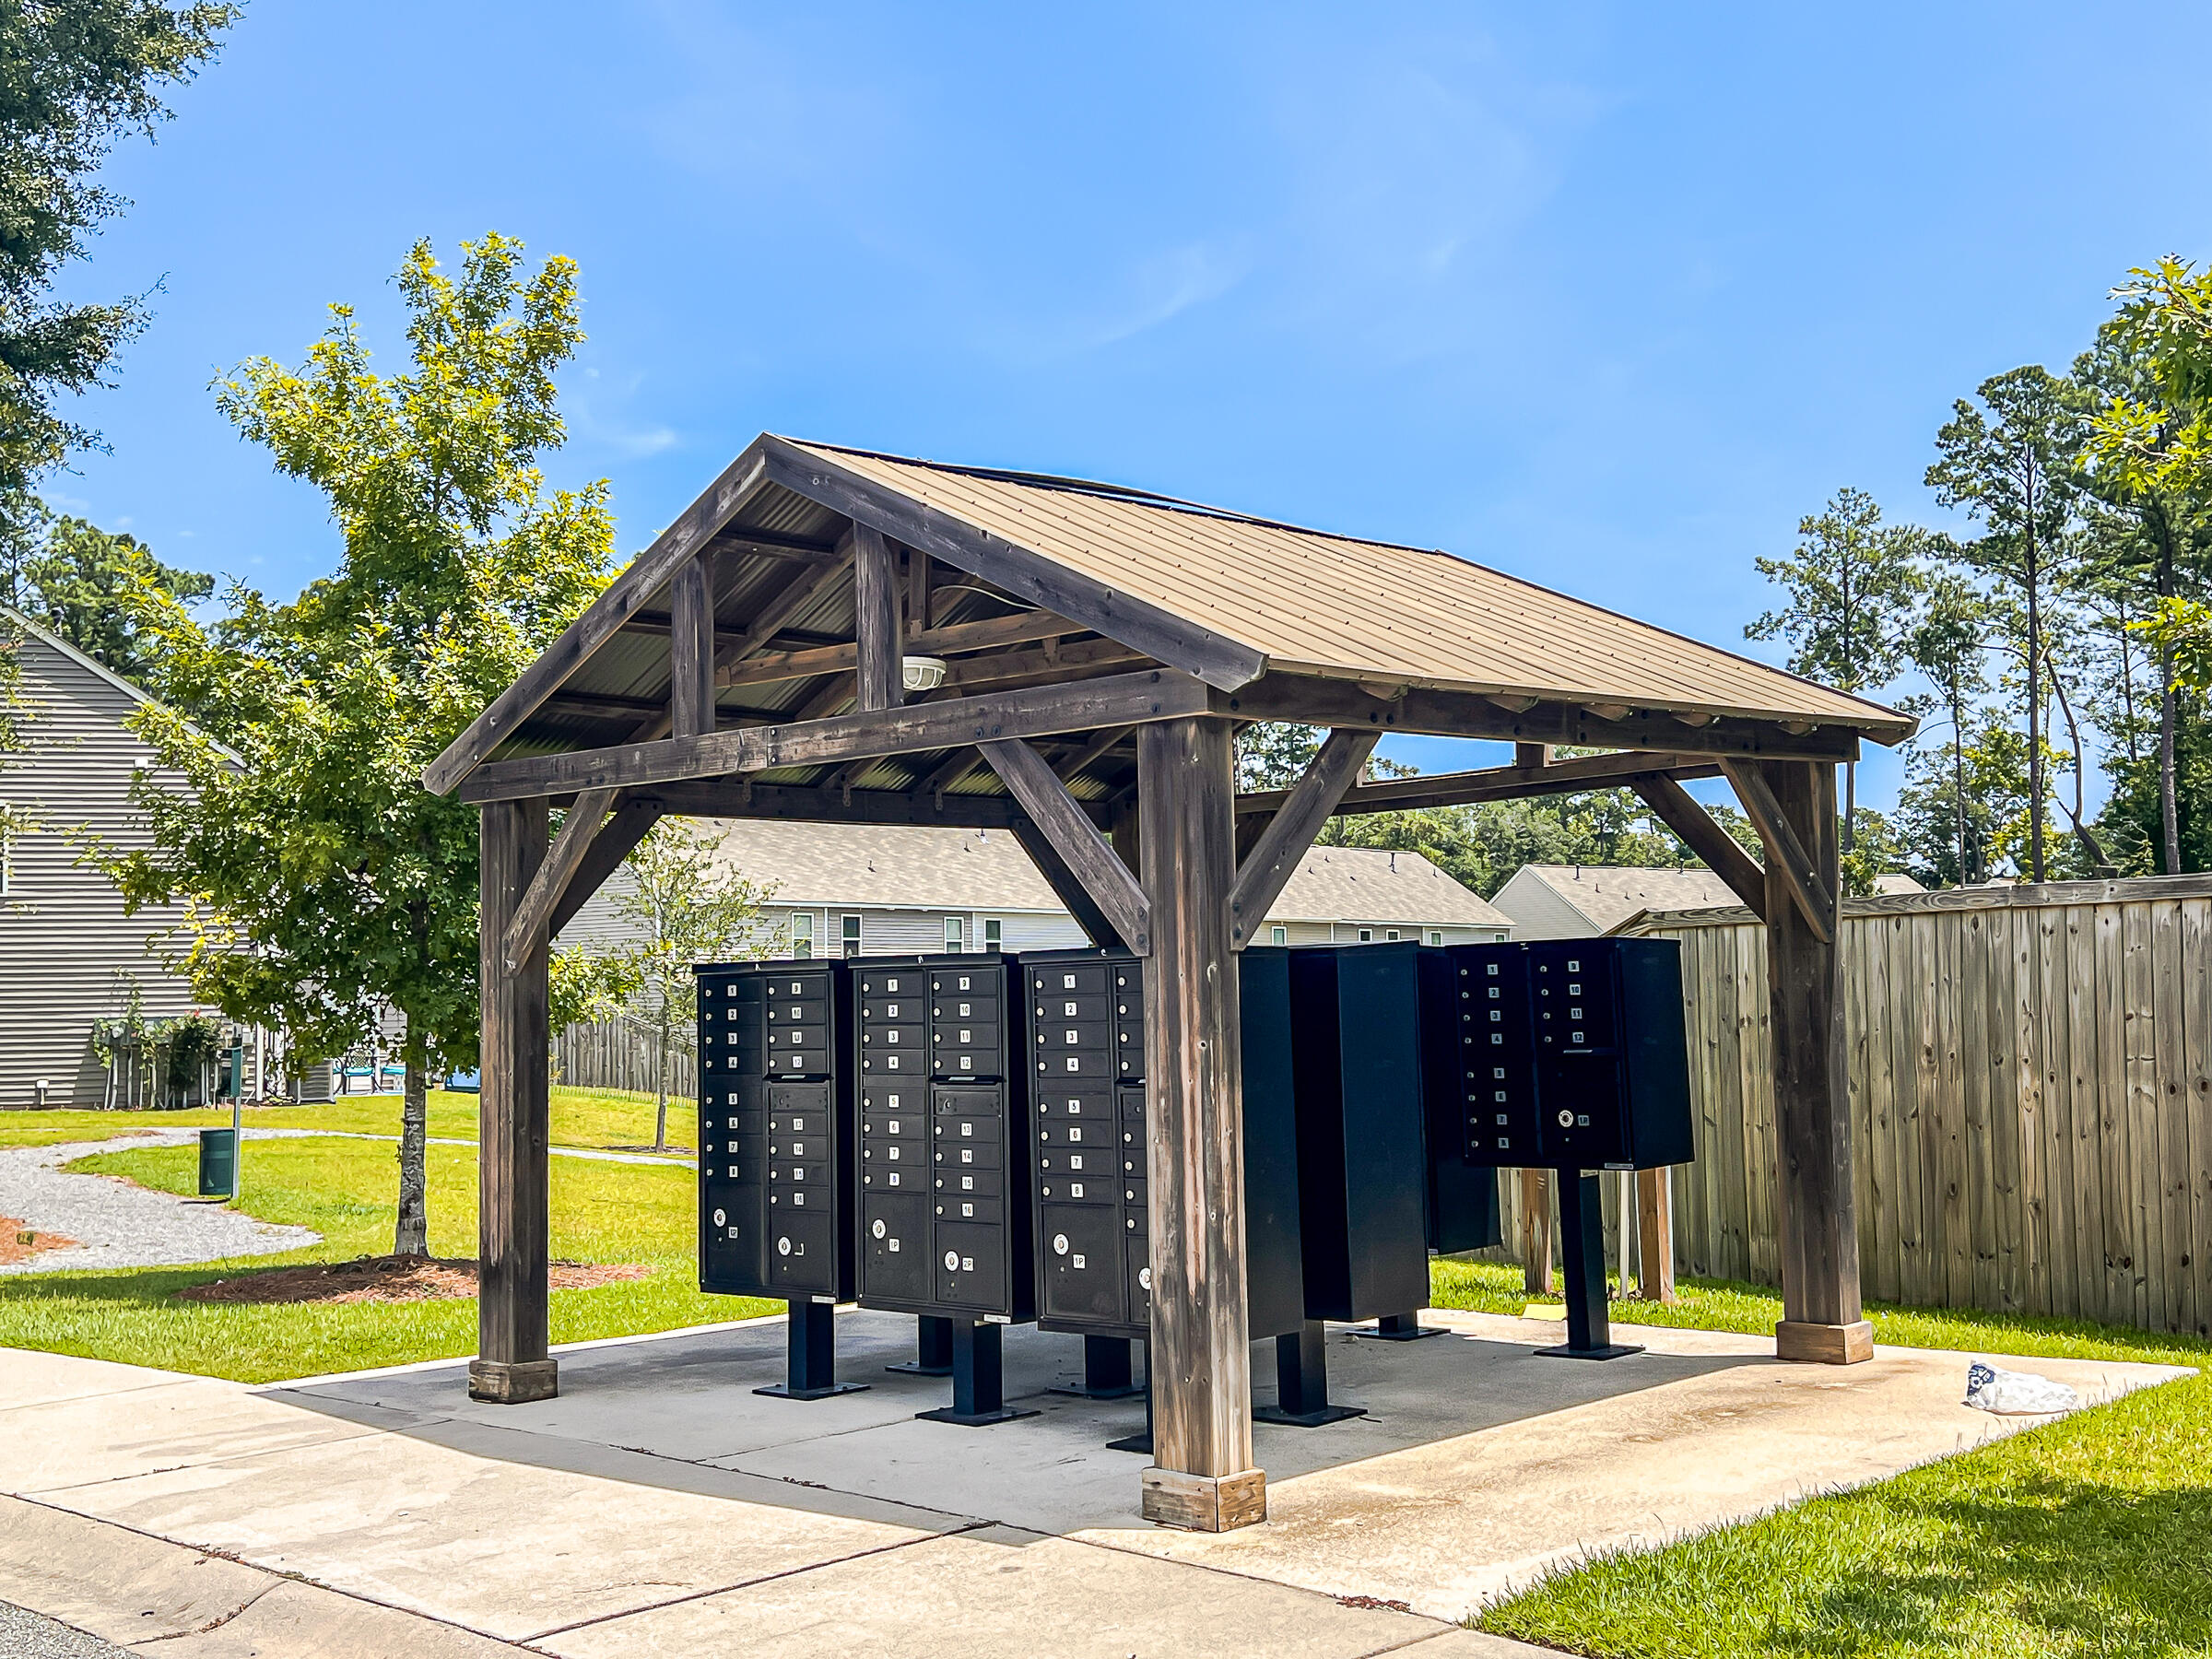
(861, 889)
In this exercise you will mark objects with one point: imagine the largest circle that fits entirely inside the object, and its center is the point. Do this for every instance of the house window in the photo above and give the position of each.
(995, 932)
(1392, 934)
(801, 934)
(1278, 934)
(955, 935)
(1436, 935)
(849, 935)
(1366, 934)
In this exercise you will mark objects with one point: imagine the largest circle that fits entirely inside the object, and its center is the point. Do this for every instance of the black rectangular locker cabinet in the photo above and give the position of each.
(1612, 1059)
(1086, 1038)
(776, 1136)
(1463, 1190)
(945, 1221)
(1362, 1179)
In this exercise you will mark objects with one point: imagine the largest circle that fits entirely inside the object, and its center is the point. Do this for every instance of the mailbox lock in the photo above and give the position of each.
(783, 1245)
(1059, 1243)
(1566, 1120)
(721, 1219)
(952, 1261)
(879, 1230)
(1144, 1278)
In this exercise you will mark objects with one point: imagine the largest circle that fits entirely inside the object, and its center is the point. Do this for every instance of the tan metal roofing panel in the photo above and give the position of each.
(1336, 605)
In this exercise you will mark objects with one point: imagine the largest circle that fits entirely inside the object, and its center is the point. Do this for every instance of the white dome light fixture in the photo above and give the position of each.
(922, 673)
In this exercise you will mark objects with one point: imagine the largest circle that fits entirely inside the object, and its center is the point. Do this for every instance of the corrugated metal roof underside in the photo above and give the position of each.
(1329, 604)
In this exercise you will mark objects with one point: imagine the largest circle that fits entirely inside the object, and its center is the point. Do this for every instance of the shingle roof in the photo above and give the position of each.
(986, 869)
(1607, 895)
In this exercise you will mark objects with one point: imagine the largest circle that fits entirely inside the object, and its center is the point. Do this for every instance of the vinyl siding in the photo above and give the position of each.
(67, 952)
(1539, 911)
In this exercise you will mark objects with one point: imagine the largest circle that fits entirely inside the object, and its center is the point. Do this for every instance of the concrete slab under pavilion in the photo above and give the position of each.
(657, 1506)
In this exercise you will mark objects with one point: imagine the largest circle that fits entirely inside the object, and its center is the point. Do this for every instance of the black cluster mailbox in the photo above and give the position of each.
(1572, 1056)
(1086, 1040)
(943, 1206)
(776, 1150)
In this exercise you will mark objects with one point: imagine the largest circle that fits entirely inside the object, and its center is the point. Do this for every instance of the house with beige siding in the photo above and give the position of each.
(858, 889)
(1581, 901)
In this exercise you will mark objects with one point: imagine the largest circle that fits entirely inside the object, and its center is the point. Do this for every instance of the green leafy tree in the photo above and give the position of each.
(324, 883)
(2011, 460)
(1851, 583)
(76, 76)
(687, 907)
(1944, 643)
(77, 584)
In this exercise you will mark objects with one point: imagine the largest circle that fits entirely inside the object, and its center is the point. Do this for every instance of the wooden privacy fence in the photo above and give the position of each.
(2030, 1086)
(625, 1053)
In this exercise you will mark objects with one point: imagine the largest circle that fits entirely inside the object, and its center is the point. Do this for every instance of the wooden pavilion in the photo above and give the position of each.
(836, 635)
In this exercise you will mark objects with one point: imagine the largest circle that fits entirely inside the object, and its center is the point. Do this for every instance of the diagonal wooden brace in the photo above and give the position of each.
(1683, 813)
(1261, 877)
(1068, 827)
(528, 930)
(1785, 854)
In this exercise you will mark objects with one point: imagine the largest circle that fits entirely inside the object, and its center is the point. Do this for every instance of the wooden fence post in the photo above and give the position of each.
(1535, 1232)
(1654, 1236)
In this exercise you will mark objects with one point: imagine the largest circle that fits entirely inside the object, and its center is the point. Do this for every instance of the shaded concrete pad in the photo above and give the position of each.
(486, 1540)
(1002, 1591)
(1455, 1520)
(130, 1589)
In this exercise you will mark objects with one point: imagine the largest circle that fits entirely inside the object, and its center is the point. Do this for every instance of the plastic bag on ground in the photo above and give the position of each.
(2015, 1393)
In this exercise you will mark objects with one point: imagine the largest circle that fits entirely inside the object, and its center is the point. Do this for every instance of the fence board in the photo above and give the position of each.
(2031, 1093)
(624, 1054)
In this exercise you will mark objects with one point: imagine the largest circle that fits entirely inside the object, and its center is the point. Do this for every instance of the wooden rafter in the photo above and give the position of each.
(1024, 627)
(1085, 852)
(1261, 877)
(617, 838)
(1498, 783)
(528, 930)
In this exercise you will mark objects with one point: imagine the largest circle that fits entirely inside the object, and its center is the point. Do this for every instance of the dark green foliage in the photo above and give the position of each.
(2132, 815)
(77, 582)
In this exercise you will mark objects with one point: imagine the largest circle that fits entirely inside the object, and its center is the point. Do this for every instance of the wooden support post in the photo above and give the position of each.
(1536, 1234)
(876, 620)
(1817, 1223)
(1202, 1477)
(1654, 1236)
(692, 648)
(1128, 815)
(512, 1364)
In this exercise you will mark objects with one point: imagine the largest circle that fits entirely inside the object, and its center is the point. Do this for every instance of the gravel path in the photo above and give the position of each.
(117, 1225)
(25, 1635)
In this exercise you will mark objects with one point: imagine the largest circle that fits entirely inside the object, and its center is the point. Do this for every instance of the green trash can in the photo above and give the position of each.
(218, 1162)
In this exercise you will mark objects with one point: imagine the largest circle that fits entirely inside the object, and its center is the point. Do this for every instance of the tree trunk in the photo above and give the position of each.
(2170, 817)
(2035, 733)
(1959, 775)
(660, 1109)
(412, 1235)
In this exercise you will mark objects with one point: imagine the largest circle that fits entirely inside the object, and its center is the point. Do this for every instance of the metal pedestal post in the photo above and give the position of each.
(1139, 1443)
(933, 1349)
(1582, 1241)
(1398, 1327)
(810, 1356)
(1301, 1382)
(1108, 1370)
(979, 1395)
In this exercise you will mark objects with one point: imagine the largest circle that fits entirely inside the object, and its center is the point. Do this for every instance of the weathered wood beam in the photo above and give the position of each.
(1817, 1235)
(1686, 816)
(805, 587)
(1202, 1477)
(1291, 830)
(1085, 851)
(1315, 701)
(733, 798)
(1210, 656)
(1532, 754)
(1023, 627)
(625, 596)
(514, 1363)
(528, 930)
(1121, 700)
(1067, 885)
(692, 648)
(880, 683)
(950, 771)
(775, 544)
(1045, 667)
(1497, 783)
(617, 840)
(1787, 857)
(1071, 764)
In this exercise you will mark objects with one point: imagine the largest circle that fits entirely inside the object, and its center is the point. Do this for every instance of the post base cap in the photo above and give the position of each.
(1211, 1503)
(1824, 1344)
(513, 1382)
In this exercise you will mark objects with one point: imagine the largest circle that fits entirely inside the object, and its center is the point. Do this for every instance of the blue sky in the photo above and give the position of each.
(1605, 296)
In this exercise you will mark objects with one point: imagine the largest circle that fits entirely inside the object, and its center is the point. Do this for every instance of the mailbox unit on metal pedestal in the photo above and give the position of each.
(1085, 1013)
(1574, 1059)
(945, 1221)
(775, 1152)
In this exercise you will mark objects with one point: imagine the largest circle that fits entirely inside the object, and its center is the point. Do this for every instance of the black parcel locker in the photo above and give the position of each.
(945, 1219)
(1085, 1027)
(775, 1133)
(1362, 1177)
(1612, 1058)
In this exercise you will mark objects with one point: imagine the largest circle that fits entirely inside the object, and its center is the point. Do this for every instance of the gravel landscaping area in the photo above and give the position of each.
(118, 1225)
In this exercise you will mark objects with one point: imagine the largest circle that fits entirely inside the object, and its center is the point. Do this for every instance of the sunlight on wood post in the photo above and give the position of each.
(1815, 1210)
(1654, 1236)
(514, 1207)
(1203, 1476)
(1535, 1232)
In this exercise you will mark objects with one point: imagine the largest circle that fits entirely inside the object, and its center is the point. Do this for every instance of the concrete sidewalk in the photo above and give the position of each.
(659, 1507)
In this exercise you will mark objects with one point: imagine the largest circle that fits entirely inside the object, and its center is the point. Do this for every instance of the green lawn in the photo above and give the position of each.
(343, 1189)
(2082, 1537)
(582, 1117)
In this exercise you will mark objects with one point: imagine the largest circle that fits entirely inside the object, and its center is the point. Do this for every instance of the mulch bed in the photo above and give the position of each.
(18, 1244)
(391, 1278)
